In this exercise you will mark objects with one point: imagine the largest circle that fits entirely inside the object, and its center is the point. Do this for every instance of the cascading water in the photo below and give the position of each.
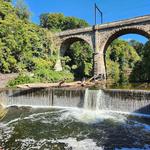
(110, 100)
(75, 128)
(42, 98)
(100, 101)
(117, 100)
(94, 100)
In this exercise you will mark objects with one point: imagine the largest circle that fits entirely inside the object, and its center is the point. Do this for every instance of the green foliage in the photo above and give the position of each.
(21, 79)
(137, 46)
(5, 9)
(21, 41)
(22, 10)
(141, 71)
(72, 23)
(40, 63)
(81, 61)
(52, 21)
(42, 71)
(58, 22)
(45, 75)
(120, 61)
(113, 72)
(41, 75)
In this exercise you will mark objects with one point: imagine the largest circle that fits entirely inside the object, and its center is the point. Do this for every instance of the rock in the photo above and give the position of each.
(58, 66)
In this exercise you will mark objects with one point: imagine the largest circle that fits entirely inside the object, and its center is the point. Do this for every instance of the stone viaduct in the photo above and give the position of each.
(99, 37)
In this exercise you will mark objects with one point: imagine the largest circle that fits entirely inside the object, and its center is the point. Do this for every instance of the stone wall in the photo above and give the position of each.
(100, 36)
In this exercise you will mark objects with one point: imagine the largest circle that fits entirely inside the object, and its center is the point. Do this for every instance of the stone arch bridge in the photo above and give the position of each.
(100, 36)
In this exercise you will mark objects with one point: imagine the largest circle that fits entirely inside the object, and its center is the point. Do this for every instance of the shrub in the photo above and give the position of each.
(21, 79)
(41, 75)
(46, 75)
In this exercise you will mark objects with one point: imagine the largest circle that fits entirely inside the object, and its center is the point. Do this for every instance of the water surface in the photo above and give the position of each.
(75, 120)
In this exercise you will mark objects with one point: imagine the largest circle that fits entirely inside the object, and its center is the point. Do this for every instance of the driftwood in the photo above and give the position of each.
(62, 83)
(48, 85)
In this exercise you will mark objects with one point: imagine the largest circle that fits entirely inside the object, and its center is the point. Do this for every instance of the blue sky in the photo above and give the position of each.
(113, 10)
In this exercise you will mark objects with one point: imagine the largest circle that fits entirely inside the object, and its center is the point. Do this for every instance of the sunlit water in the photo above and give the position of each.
(73, 128)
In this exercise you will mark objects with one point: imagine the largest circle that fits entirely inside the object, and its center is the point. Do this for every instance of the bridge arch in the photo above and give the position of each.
(80, 53)
(123, 31)
(116, 34)
(67, 42)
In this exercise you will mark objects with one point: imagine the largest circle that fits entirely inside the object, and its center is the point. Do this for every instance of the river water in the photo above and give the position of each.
(75, 120)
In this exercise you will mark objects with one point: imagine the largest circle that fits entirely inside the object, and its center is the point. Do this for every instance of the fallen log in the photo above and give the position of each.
(48, 85)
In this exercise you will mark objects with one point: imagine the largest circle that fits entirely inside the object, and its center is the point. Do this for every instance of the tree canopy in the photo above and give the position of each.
(22, 10)
(20, 41)
(81, 59)
(120, 60)
(26, 47)
(58, 22)
(141, 71)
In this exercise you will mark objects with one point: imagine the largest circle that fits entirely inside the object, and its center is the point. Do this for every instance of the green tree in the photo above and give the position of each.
(22, 10)
(81, 59)
(58, 22)
(73, 23)
(141, 71)
(52, 21)
(21, 41)
(138, 46)
(120, 60)
(27, 48)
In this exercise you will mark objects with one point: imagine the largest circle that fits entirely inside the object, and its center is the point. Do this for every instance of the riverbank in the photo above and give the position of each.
(75, 84)
(4, 78)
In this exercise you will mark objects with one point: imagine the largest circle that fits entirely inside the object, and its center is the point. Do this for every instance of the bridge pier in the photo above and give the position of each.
(99, 63)
(99, 66)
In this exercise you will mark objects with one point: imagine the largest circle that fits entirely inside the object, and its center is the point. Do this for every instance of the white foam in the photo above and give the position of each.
(86, 144)
(88, 116)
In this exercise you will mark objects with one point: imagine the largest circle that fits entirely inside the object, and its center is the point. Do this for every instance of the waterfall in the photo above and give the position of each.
(108, 100)
(42, 98)
(100, 100)
(117, 100)
(86, 99)
(94, 100)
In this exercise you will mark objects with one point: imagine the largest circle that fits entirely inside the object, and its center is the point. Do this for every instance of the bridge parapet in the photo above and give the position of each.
(126, 22)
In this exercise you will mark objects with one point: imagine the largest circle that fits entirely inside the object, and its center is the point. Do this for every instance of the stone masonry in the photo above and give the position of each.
(99, 38)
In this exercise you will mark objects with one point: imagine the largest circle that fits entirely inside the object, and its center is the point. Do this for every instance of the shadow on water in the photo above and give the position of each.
(143, 110)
